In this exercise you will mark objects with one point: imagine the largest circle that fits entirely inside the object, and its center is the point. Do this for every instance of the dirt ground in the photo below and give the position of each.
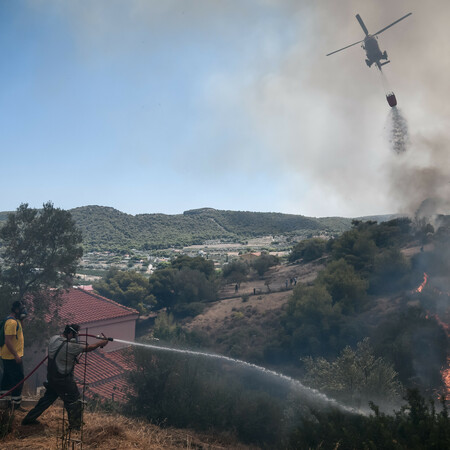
(276, 276)
(221, 310)
(259, 303)
(411, 251)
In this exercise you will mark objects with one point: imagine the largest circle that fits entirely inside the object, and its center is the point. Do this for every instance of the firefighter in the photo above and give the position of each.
(12, 354)
(62, 355)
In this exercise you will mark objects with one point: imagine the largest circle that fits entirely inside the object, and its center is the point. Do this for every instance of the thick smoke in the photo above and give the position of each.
(420, 178)
(398, 131)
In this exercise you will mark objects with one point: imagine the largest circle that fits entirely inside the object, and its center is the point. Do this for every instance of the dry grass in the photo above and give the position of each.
(212, 319)
(104, 431)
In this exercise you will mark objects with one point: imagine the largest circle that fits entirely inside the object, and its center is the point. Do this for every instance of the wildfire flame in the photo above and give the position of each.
(424, 282)
(446, 378)
(445, 372)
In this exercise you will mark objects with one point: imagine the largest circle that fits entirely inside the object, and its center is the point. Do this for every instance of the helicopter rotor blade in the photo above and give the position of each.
(363, 26)
(351, 45)
(393, 23)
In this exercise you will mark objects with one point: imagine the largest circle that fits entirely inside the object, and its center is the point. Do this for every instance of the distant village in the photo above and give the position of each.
(95, 264)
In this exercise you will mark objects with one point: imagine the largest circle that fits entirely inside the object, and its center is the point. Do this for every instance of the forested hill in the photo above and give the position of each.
(4, 215)
(106, 228)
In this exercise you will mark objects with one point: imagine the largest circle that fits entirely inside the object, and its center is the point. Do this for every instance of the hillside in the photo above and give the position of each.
(242, 328)
(106, 228)
(300, 309)
(4, 215)
(106, 431)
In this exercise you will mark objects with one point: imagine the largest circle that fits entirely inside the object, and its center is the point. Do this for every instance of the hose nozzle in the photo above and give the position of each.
(102, 336)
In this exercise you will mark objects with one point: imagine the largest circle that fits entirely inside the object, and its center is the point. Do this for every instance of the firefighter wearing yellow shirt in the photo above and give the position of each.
(12, 353)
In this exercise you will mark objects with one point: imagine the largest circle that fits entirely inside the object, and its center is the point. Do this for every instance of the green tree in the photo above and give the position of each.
(264, 262)
(308, 250)
(165, 327)
(187, 280)
(235, 271)
(355, 376)
(391, 271)
(312, 322)
(197, 263)
(39, 253)
(392, 233)
(162, 287)
(357, 248)
(40, 249)
(126, 287)
(345, 286)
(193, 286)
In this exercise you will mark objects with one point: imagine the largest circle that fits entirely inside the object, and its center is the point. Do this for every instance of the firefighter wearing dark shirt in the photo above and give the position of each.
(62, 353)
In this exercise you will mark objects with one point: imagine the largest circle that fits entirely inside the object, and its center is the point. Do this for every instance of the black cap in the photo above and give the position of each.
(16, 305)
(72, 328)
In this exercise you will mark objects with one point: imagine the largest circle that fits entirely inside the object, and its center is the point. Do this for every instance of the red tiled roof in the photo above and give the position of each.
(105, 373)
(123, 358)
(98, 368)
(80, 306)
(114, 389)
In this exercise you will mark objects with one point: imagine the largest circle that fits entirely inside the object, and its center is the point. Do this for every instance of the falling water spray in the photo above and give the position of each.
(397, 125)
(398, 131)
(312, 394)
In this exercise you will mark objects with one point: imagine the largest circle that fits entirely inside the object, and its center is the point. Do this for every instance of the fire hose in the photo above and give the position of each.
(45, 359)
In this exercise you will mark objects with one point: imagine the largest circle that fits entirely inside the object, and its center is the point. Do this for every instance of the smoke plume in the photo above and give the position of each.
(419, 178)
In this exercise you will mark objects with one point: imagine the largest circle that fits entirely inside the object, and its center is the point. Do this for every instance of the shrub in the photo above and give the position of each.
(182, 310)
(415, 426)
(344, 284)
(263, 263)
(308, 250)
(188, 392)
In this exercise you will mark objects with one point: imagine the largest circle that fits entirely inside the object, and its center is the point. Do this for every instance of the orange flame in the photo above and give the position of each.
(443, 325)
(445, 372)
(424, 282)
(446, 378)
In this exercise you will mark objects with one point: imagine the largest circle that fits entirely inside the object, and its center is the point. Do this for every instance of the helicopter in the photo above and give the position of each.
(370, 44)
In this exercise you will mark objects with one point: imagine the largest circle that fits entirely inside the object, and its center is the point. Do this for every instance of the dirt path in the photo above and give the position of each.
(277, 277)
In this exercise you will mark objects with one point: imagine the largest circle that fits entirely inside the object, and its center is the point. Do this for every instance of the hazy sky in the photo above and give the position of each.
(163, 106)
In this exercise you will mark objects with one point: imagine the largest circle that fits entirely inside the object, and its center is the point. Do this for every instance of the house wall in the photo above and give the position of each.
(123, 328)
